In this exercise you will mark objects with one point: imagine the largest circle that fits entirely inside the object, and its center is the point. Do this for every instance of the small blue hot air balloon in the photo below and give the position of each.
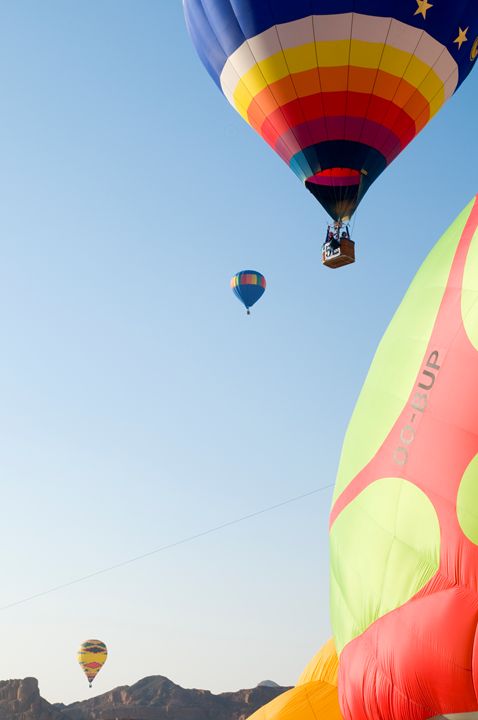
(248, 286)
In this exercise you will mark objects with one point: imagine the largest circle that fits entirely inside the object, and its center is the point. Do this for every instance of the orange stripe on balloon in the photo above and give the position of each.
(334, 78)
(311, 82)
(306, 82)
(276, 102)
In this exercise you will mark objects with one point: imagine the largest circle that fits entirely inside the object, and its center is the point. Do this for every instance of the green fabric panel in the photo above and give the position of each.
(469, 293)
(385, 546)
(398, 359)
(467, 501)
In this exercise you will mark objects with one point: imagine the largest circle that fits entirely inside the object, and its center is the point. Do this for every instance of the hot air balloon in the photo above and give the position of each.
(314, 697)
(248, 286)
(404, 519)
(337, 88)
(92, 656)
(323, 667)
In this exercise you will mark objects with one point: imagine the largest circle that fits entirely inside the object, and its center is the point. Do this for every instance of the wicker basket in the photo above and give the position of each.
(343, 255)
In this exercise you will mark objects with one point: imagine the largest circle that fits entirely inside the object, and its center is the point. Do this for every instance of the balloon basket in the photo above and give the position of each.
(335, 257)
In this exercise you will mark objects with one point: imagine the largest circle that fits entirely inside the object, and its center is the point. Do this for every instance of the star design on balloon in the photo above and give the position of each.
(461, 37)
(474, 50)
(423, 7)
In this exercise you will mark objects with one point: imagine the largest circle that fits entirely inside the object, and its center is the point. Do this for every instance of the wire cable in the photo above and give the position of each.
(162, 548)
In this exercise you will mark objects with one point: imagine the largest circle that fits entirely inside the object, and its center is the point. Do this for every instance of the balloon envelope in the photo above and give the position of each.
(337, 88)
(314, 698)
(323, 666)
(92, 656)
(404, 520)
(311, 701)
(248, 286)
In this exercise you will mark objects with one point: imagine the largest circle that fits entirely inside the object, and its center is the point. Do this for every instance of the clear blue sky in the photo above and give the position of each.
(139, 404)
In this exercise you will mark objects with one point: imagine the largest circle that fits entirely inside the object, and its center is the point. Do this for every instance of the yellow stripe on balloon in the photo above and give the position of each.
(336, 54)
(335, 29)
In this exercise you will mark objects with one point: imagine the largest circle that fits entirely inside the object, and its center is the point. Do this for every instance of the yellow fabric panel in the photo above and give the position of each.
(301, 58)
(420, 76)
(312, 701)
(248, 87)
(429, 89)
(331, 53)
(242, 109)
(275, 67)
(394, 61)
(365, 54)
(323, 666)
(336, 55)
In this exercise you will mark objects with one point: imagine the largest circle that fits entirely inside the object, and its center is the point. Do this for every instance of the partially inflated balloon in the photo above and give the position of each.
(336, 87)
(404, 520)
(323, 666)
(248, 286)
(314, 698)
(92, 656)
(312, 701)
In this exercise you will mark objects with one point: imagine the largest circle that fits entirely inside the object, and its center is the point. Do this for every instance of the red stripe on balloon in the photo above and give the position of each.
(358, 130)
(311, 91)
(349, 116)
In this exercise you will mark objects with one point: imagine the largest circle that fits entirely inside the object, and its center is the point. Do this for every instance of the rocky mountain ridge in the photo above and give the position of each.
(152, 698)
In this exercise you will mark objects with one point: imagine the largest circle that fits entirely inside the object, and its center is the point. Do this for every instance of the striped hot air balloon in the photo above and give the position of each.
(337, 88)
(248, 286)
(92, 656)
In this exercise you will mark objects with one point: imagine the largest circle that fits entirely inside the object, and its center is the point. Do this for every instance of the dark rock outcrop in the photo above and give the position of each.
(20, 700)
(153, 698)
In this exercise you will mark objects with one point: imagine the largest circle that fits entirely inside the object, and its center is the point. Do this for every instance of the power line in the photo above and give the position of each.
(169, 546)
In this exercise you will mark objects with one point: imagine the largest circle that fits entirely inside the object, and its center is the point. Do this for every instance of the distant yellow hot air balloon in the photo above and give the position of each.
(92, 656)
